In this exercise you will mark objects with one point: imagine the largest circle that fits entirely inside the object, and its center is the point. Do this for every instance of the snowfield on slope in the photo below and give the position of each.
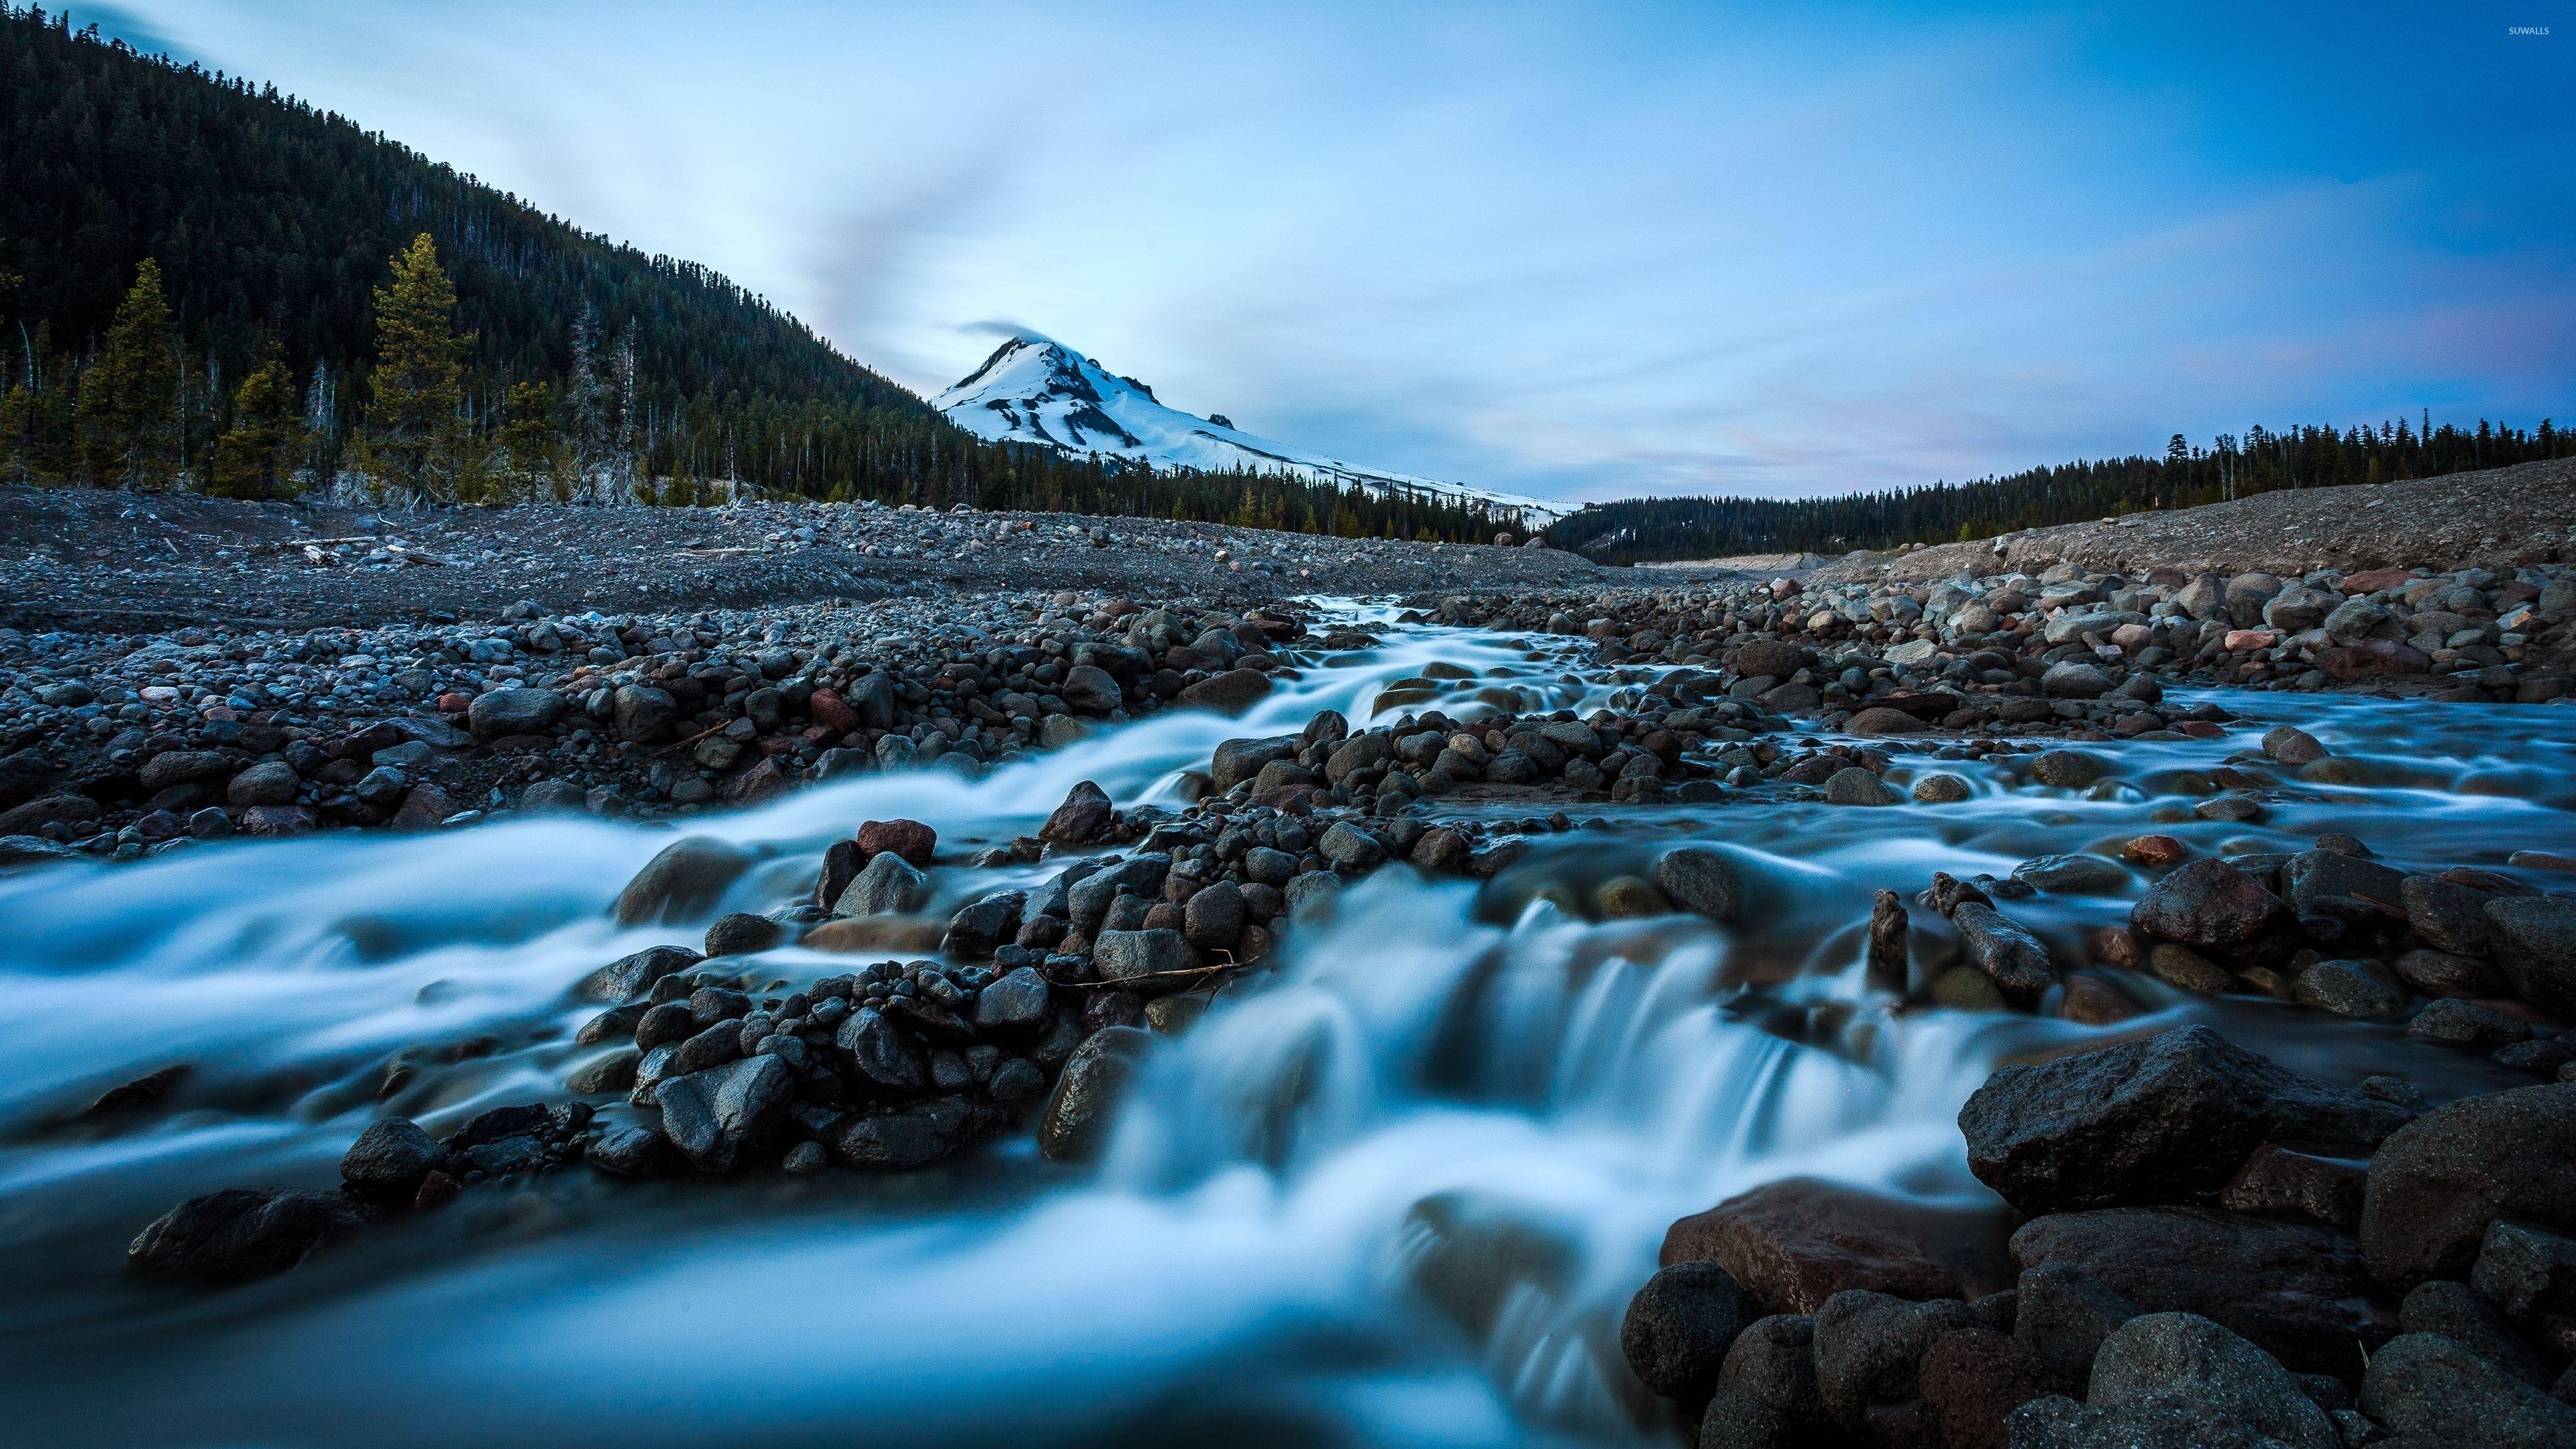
(1035, 391)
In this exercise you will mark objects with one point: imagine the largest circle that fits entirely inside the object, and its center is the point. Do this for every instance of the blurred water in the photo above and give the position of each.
(1247, 1265)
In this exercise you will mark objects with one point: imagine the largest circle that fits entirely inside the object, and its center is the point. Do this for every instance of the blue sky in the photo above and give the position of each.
(1586, 251)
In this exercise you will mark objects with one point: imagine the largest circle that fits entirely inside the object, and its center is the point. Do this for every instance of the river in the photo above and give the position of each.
(1395, 1192)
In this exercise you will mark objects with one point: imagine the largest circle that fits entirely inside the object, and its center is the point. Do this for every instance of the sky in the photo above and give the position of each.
(1583, 251)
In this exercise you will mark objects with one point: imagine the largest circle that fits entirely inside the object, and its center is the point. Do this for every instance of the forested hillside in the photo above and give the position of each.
(199, 286)
(1647, 529)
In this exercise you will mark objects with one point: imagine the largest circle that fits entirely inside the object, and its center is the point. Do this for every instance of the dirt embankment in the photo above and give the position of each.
(2498, 519)
(100, 560)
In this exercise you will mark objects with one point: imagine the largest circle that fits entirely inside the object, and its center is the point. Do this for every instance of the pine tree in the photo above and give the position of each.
(530, 446)
(129, 424)
(414, 439)
(256, 457)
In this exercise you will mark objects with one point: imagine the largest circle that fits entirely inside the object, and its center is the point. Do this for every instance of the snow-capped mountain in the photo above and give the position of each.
(1035, 391)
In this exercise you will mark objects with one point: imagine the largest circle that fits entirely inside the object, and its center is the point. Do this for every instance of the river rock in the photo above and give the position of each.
(388, 1161)
(1236, 761)
(1214, 916)
(2526, 1272)
(241, 1233)
(1232, 692)
(916, 1137)
(629, 977)
(2436, 1391)
(634, 1152)
(1089, 689)
(742, 934)
(1853, 785)
(1796, 1242)
(1679, 1326)
(2075, 680)
(1879, 720)
(1083, 817)
(2083, 875)
(183, 767)
(2457, 1312)
(2169, 1361)
(1732, 1421)
(1136, 958)
(887, 885)
(2161, 1120)
(643, 713)
(683, 882)
(911, 839)
(2437, 1182)
(2277, 1179)
(1773, 1364)
(1076, 1123)
(2446, 915)
(984, 925)
(2062, 1316)
(1017, 1002)
(2068, 769)
(2006, 952)
(1349, 849)
(1702, 881)
(1869, 1347)
(880, 1053)
(514, 710)
(2535, 944)
(2346, 988)
(270, 782)
(2216, 909)
(1973, 1379)
(722, 1116)
(2296, 1290)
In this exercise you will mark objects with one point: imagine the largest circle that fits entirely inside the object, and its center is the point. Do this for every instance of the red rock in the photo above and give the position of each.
(2200, 729)
(1797, 1242)
(2116, 946)
(435, 1191)
(453, 703)
(2155, 851)
(1880, 719)
(911, 839)
(2093, 1001)
(832, 712)
(2239, 640)
(1974, 1379)
(758, 783)
(2371, 581)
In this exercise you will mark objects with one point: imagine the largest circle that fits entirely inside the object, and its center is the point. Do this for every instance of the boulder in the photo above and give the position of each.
(183, 767)
(1773, 1364)
(984, 925)
(2296, 1290)
(2526, 1272)
(2291, 745)
(2068, 769)
(388, 1161)
(683, 882)
(2062, 1316)
(1236, 761)
(721, 1117)
(643, 713)
(1869, 1347)
(514, 710)
(2535, 945)
(1089, 689)
(2166, 1119)
(629, 977)
(270, 782)
(1349, 849)
(1679, 1326)
(2459, 1313)
(1853, 785)
(2000, 947)
(888, 885)
(1083, 817)
(2427, 1387)
(2169, 1357)
(911, 839)
(1796, 1242)
(1146, 960)
(1702, 881)
(2437, 1182)
(2216, 909)
(1016, 1002)
(241, 1233)
(1232, 692)
(743, 934)
(1879, 720)
(883, 1057)
(1075, 1125)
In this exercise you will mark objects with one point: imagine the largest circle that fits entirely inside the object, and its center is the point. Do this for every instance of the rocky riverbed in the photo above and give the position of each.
(2033, 1009)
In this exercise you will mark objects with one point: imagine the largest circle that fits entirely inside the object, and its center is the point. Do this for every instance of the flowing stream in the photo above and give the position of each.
(1396, 1192)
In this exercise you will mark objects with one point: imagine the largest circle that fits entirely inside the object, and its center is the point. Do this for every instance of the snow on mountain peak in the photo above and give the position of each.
(1035, 390)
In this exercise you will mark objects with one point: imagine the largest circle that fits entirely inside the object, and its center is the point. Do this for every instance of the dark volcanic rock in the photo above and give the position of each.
(629, 977)
(1972, 1380)
(2435, 1391)
(635, 1152)
(2161, 1120)
(388, 1161)
(2296, 1290)
(1773, 1364)
(2459, 1313)
(720, 1117)
(2535, 943)
(1679, 1326)
(2062, 1316)
(1794, 1243)
(1869, 1346)
(2000, 947)
(241, 1233)
(1075, 1126)
(2437, 1182)
(1084, 815)
(2216, 909)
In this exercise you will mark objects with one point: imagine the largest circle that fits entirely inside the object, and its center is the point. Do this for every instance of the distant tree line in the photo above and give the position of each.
(1641, 530)
(208, 285)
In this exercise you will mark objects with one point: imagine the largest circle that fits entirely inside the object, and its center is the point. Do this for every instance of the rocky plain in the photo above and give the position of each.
(2183, 1234)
